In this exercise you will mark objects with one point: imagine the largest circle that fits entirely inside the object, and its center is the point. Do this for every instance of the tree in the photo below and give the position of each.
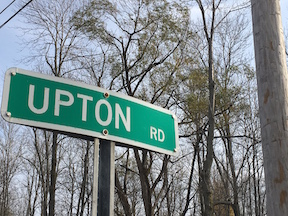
(271, 70)
(230, 78)
(56, 42)
(143, 38)
(38, 169)
(10, 153)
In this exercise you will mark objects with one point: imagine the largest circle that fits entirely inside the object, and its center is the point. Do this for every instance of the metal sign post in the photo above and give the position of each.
(106, 179)
(95, 177)
(103, 178)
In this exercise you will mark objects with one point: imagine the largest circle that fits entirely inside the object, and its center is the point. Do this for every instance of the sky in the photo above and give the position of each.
(9, 41)
(10, 37)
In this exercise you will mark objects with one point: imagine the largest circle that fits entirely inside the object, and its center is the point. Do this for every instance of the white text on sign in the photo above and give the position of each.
(157, 134)
(126, 120)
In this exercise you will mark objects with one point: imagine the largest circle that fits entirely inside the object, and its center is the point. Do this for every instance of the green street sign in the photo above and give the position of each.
(38, 100)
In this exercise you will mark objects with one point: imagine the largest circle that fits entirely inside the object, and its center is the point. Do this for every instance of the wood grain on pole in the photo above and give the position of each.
(271, 70)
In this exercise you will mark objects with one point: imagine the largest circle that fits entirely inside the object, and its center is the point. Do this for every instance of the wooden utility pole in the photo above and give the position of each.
(271, 70)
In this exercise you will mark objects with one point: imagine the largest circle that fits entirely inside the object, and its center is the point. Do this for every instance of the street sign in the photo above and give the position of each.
(43, 101)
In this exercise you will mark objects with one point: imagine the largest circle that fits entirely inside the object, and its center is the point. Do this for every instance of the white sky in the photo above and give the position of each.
(10, 49)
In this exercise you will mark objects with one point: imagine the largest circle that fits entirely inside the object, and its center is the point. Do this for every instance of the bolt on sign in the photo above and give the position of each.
(43, 101)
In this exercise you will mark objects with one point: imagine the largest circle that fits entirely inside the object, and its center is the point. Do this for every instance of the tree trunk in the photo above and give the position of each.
(235, 187)
(145, 186)
(189, 188)
(122, 196)
(205, 175)
(273, 101)
(81, 201)
(53, 176)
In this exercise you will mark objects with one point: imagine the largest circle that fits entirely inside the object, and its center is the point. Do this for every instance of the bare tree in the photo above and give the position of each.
(10, 153)
(142, 50)
(54, 42)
